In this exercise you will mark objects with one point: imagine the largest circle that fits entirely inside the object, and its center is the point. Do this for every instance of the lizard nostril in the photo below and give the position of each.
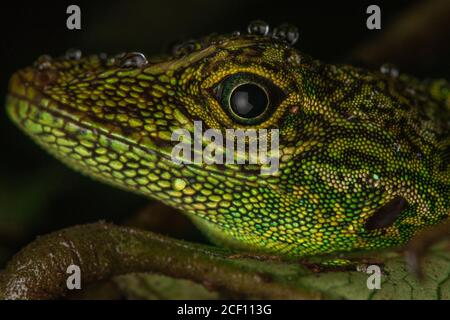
(386, 215)
(45, 78)
(45, 73)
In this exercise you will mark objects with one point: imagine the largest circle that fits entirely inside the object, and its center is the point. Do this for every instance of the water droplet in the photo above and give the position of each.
(103, 57)
(295, 58)
(115, 59)
(389, 69)
(236, 33)
(287, 32)
(43, 62)
(73, 54)
(133, 60)
(185, 47)
(258, 27)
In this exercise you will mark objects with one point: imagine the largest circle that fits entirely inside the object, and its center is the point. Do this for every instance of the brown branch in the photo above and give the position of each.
(420, 245)
(103, 250)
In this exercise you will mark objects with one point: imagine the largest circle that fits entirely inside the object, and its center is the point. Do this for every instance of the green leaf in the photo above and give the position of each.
(396, 282)
(105, 251)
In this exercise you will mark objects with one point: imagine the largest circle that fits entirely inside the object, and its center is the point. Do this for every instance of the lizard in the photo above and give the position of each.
(363, 154)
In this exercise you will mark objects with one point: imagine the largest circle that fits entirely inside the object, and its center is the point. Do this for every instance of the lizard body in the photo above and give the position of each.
(363, 154)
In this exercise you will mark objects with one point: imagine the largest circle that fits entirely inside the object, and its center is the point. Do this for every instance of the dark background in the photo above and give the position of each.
(39, 195)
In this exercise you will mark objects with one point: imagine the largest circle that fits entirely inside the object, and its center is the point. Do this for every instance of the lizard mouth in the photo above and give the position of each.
(84, 143)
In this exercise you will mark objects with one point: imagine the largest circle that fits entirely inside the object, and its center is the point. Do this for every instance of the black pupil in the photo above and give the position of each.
(248, 101)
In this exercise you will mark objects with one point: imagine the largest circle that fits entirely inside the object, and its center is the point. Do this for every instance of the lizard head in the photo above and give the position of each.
(113, 118)
(128, 103)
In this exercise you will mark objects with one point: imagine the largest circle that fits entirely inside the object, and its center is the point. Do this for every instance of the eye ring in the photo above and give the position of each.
(247, 98)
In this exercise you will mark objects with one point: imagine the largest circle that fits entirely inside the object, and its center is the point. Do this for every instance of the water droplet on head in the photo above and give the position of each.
(258, 27)
(133, 60)
(43, 62)
(295, 58)
(103, 57)
(115, 59)
(390, 70)
(286, 32)
(73, 54)
(185, 47)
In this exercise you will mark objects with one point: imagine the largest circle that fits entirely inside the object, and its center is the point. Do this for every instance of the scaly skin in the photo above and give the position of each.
(363, 155)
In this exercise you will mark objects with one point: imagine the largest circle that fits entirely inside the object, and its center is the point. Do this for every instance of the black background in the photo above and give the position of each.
(37, 193)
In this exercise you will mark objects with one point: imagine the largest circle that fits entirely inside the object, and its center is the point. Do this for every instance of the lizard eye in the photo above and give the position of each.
(248, 98)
